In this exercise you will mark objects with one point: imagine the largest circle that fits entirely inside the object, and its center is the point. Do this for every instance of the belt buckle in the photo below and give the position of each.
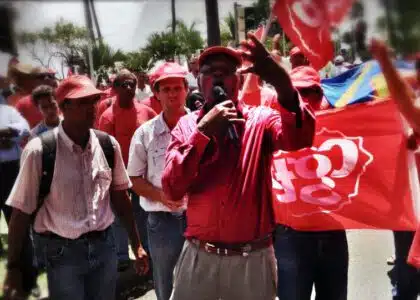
(246, 249)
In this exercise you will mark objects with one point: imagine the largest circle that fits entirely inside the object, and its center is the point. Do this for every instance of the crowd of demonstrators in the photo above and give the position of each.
(166, 219)
(180, 170)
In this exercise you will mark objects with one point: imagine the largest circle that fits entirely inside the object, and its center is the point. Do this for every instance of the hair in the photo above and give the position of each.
(156, 87)
(124, 73)
(42, 91)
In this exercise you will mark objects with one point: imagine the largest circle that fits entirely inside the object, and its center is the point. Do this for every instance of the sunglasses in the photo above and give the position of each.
(126, 84)
(45, 76)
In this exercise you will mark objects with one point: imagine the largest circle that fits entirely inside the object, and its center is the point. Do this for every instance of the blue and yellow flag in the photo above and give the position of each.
(362, 83)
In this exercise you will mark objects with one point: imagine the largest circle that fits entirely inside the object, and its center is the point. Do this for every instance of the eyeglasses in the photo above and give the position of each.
(126, 84)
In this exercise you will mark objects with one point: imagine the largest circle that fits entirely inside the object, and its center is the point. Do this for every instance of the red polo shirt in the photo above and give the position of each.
(122, 123)
(229, 187)
(29, 111)
(153, 103)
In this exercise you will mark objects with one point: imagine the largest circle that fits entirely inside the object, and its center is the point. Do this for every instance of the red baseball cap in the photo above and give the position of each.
(305, 77)
(168, 70)
(75, 87)
(295, 51)
(220, 50)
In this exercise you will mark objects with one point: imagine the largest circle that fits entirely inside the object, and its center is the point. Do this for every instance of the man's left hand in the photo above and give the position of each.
(142, 261)
(263, 63)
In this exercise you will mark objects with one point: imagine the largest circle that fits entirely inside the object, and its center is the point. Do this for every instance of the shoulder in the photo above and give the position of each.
(33, 149)
(24, 101)
(147, 128)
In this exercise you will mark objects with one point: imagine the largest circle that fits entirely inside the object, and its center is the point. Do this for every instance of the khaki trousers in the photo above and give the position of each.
(205, 276)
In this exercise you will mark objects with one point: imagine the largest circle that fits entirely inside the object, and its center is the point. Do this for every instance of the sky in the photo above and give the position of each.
(127, 24)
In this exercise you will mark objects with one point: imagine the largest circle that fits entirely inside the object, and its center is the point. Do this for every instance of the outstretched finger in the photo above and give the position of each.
(246, 70)
(237, 121)
(227, 103)
(246, 55)
(255, 40)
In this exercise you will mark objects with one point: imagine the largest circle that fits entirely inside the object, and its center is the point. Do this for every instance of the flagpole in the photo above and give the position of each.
(262, 40)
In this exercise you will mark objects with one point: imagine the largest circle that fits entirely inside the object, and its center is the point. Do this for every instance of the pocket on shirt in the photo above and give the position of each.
(103, 177)
(158, 156)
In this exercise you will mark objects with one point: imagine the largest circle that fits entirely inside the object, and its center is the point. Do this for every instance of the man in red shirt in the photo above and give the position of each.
(153, 102)
(220, 158)
(25, 105)
(121, 120)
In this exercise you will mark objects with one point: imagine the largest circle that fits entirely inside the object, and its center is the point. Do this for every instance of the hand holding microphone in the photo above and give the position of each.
(221, 117)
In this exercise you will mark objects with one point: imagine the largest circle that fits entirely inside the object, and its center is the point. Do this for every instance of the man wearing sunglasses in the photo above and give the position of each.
(121, 120)
(220, 158)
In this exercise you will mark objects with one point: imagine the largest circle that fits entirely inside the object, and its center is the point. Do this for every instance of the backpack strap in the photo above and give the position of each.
(107, 146)
(49, 147)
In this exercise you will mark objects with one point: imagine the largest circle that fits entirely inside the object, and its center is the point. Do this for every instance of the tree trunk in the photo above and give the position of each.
(173, 16)
(213, 29)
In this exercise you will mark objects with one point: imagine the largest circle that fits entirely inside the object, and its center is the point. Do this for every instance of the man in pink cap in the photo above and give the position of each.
(220, 159)
(307, 258)
(166, 219)
(69, 178)
(297, 58)
(153, 102)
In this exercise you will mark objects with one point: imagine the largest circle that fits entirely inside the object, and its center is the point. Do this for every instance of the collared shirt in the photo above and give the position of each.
(228, 186)
(29, 111)
(143, 93)
(122, 123)
(147, 157)
(41, 128)
(79, 199)
(11, 118)
(153, 103)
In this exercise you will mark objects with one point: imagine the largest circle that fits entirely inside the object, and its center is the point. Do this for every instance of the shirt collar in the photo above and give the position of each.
(161, 126)
(68, 142)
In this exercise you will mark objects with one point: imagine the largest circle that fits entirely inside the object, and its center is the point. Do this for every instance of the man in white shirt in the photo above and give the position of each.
(74, 221)
(166, 220)
(143, 90)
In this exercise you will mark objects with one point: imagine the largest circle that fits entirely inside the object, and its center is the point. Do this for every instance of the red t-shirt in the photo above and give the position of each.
(103, 106)
(263, 96)
(122, 123)
(29, 111)
(153, 103)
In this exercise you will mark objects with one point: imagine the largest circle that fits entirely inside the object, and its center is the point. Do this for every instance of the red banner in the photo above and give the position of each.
(307, 23)
(355, 176)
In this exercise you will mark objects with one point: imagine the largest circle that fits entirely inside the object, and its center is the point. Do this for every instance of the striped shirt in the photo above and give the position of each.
(79, 199)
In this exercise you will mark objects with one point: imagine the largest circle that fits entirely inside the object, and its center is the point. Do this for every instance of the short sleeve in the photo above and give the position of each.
(120, 179)
(137, 160)
(24, 195)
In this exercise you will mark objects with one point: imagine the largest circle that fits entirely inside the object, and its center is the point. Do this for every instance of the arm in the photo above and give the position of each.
(283, 132)
(122, 206)
(106, 125)
(400, 91)
(183, 160)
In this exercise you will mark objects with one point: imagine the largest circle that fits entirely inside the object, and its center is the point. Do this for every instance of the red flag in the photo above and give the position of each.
(307, 23)
(259, 32)
(355, 176)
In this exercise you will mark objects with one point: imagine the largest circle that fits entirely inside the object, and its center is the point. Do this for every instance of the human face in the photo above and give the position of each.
(49, 109)
(125, 88)
(172, 94)
(193, 67)
(45, 78)
(218, 69)
(81, 112)
(141, 79)
(312, 96)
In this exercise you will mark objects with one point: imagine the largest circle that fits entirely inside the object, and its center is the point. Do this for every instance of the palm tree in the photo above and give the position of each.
(173, 11)
(163, 46)
(189, 38)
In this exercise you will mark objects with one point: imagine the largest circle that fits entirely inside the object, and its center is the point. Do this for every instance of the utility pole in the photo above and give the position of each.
(213, 29)
(173, 11)
(95, 19)
(91, 40)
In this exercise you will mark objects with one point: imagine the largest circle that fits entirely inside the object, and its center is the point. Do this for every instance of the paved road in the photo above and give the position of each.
(367, 274)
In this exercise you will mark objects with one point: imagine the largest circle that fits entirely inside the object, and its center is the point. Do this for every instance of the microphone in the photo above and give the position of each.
(219, 96)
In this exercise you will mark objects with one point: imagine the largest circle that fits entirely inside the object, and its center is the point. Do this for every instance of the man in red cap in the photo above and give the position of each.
(306, 258)
(121, 120)
(297, 58)
(220, 158)
(72, 215)
(166, 220)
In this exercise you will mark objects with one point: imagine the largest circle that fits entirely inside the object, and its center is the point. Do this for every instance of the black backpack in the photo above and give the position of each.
(49, 147)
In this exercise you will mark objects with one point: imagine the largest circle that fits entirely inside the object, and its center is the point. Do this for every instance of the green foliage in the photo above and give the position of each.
(103, 55)
(189, 38)
(403, 25)
(138, 61)
(230, 22)
(163, 45)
